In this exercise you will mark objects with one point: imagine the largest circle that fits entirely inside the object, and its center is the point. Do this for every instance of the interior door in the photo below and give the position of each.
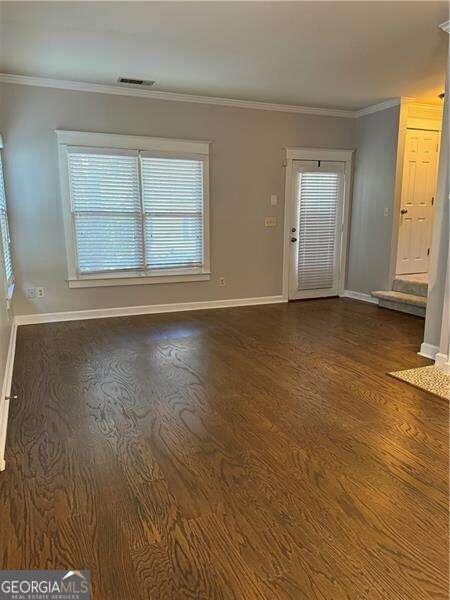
(316, 229)
(418, 190)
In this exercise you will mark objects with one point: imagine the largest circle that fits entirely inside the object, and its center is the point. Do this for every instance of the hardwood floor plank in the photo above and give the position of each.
(247, 453)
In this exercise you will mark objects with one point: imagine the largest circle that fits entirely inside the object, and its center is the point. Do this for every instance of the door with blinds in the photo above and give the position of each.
(316, 229)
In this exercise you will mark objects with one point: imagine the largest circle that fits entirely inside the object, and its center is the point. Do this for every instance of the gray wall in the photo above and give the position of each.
(373, 192)
(246, 169)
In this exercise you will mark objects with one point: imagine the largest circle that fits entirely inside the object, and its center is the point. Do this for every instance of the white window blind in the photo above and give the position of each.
(106, 207)
(173, 210)
(318, 198)
(135, 213)
(4, 231)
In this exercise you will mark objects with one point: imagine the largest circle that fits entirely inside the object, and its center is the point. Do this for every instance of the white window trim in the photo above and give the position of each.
(161, 147)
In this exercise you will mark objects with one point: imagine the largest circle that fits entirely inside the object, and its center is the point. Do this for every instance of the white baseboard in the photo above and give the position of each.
(100, 313)
(359, 296)
(428, 350)
(442, 361)
(6, 391)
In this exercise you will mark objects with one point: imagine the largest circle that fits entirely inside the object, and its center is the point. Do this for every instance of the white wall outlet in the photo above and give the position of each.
(270, 222)
(386, 211)
(40, 292)
(31, 292)
(273, 200)
(221, 281)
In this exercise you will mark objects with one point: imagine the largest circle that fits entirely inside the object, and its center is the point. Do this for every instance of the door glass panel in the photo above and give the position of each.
(318, 197)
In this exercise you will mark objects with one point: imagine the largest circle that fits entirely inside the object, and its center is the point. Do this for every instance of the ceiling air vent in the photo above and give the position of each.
(130, 81)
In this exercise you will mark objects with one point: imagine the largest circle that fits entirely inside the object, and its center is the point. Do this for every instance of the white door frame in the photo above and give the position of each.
(333, 155)
(405, 123)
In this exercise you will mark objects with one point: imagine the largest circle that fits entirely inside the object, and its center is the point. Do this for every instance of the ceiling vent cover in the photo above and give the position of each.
(131, 81)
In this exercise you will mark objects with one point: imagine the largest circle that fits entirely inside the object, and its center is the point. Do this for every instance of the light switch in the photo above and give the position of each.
(270, 222)
(273, 200)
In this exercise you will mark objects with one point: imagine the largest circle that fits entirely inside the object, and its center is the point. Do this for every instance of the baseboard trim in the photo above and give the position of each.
(442, 361)
(428, 351)
(6, 391)
(359, 296)
(101, 313)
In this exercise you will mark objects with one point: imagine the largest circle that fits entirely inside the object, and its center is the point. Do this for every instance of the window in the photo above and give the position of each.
(136, 209)
(4, 233)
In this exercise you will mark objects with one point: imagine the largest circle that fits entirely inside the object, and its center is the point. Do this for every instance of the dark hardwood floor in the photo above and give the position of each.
(258, 452)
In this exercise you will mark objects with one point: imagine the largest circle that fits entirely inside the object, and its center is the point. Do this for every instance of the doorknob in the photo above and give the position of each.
(404, 211)
(293, 239)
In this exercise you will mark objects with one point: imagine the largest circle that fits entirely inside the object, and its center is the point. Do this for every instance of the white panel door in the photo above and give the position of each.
(418, 190)
(316, 229)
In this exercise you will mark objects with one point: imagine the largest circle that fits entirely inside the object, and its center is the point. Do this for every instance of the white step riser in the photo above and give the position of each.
(406, 308)
(419, 311)
(402, 302)
(417, 288)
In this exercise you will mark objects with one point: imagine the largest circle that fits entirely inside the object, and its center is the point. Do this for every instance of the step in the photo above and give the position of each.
(412, 286)
(408, 303)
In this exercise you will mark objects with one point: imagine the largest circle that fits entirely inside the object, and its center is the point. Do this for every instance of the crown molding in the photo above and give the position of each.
(445, 26)
(377, 107)
(100, 88)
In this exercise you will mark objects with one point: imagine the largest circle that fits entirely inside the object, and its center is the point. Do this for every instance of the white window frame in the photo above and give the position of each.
(8, 285)
(162, 147)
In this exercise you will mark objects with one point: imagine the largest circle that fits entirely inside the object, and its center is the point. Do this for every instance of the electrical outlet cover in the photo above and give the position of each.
(270, 222)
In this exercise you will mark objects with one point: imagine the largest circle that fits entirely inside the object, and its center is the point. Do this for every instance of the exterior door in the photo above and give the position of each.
(316, 229)
(418, 190)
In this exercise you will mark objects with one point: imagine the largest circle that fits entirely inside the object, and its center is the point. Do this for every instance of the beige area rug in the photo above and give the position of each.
(431, 379)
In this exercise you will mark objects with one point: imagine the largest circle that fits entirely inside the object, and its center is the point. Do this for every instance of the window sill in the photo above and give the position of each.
(108, 281)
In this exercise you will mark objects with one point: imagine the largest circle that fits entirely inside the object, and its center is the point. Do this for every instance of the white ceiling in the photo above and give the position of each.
(328, 54)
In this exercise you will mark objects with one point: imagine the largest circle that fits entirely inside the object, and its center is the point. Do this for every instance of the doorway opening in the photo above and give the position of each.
(417, 197)
(316, 222)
